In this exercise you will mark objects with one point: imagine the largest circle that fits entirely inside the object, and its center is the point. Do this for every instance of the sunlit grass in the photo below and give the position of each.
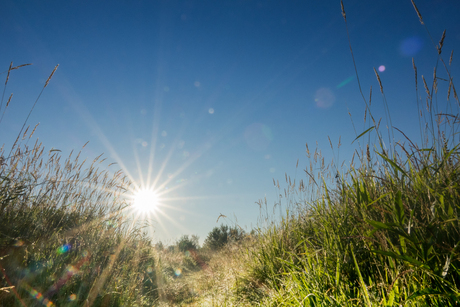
(384, 231)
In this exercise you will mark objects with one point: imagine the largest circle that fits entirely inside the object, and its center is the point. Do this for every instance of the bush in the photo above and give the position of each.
(221, 236)
(186, 244)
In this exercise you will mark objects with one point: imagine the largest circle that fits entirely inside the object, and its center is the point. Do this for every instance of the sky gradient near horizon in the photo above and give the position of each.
(222, 94)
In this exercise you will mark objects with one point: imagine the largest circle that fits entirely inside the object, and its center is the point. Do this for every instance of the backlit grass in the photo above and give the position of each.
(382, 231)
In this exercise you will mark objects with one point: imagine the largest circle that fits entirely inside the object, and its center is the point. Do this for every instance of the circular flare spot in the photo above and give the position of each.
(324, 98)
(411, 46)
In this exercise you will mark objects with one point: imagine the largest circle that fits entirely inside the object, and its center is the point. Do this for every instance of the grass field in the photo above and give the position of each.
(383, 231)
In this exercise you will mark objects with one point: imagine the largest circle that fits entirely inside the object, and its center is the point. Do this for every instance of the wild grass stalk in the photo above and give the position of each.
(385, 232)
(64, 238)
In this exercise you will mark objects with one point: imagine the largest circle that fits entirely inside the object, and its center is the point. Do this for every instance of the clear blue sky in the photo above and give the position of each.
(225, 94)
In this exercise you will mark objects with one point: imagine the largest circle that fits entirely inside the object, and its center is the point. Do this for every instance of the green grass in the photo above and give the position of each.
(384, 231)
(64, 239)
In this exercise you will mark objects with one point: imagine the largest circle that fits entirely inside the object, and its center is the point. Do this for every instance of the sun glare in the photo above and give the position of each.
(145, 200)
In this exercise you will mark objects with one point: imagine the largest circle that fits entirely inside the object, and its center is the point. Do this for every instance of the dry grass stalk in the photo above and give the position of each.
(343, 11)
(19, 66)
(418, 13)
(441, 42)
(8, 75)
(415, 71)
(435, 81)
(455, 92)
(426, 87)
(451, 56)
(52, 73)
(25, 133)
(9, 99)
(378, 78)
(365, 114)
(370, 96)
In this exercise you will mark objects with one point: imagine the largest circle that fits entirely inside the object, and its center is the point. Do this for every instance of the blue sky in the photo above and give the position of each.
(224, 94)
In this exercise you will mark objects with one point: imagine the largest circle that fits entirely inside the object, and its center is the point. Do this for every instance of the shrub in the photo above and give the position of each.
(185, 243)
(220, 236)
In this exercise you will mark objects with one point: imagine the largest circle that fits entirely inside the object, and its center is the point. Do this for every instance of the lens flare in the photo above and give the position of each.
(411, 46)
(63, 249)
(324, 98)
(145, 200)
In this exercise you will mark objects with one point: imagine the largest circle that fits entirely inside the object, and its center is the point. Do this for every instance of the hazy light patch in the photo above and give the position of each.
(411, 46)
(324, 98)
(72, 297)
(267, 157)
(382, 68)
(258, 136)
(38, 296)
(345, 82)
(144, 144)
(166, 89)
(272, 169)
(19, 243)
(197, 84)
(164, 133)
(211, 111)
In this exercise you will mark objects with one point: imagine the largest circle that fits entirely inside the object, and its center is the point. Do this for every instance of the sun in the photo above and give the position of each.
(145, 200)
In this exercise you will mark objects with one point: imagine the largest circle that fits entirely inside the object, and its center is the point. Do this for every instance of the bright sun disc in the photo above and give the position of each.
(145, 200)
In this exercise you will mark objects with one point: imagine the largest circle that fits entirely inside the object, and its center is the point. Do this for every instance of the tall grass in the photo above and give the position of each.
(386, 232)
(64, 239)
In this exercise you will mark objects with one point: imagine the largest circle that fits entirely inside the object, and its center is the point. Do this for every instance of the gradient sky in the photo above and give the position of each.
(223, 94)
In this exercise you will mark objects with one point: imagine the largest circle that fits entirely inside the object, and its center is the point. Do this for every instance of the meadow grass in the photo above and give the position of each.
(64, 239)
(382, 232)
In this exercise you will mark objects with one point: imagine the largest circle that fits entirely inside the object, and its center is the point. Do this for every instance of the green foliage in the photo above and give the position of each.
(186, 244)
(218, 237)
(385, 232)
